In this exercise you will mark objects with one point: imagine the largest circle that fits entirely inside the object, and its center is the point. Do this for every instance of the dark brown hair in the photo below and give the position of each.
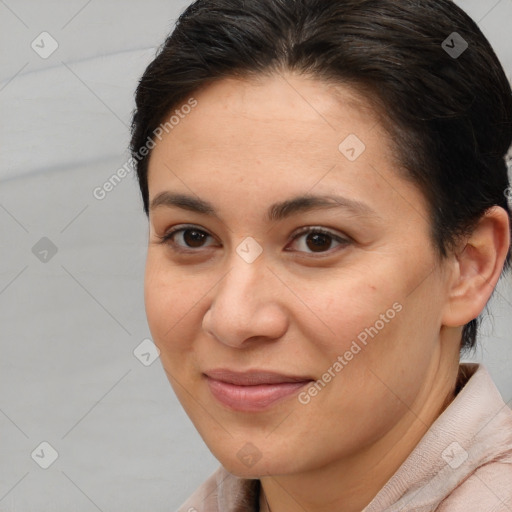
(447, 108)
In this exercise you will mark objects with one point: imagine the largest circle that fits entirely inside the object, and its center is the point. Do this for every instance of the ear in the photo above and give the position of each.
(477, 268)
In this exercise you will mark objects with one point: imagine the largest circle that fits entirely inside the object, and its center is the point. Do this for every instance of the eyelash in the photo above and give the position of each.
(167, 238)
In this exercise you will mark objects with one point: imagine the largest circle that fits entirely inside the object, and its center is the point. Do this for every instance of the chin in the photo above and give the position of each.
(256, 468)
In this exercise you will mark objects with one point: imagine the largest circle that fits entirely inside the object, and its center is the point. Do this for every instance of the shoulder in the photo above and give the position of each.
(486, 483)
(487, 489)
(464, 461)
(205, 496)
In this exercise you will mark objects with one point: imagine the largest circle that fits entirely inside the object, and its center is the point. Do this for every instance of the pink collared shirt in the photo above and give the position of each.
(463, 463)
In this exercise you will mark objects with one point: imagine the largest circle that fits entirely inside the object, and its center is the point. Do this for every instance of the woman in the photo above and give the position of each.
(326, 190)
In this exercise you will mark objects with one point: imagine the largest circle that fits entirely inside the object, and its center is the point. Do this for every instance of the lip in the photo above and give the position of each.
(254, 390)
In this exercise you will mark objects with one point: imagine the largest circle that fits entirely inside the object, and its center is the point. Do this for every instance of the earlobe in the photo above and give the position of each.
(478, 267)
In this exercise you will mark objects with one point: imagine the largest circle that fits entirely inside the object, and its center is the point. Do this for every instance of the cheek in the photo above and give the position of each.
(346, 309)
(171, 300)
(387, 345)
(372, 321)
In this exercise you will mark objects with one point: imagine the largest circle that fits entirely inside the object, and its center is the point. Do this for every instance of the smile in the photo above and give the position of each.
(252, 391)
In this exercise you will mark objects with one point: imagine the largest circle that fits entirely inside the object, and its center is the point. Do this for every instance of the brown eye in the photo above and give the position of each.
(185, 238)
(194, 237)
(318, 240)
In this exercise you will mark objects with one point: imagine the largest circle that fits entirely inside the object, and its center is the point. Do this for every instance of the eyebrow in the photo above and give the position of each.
(276, 212)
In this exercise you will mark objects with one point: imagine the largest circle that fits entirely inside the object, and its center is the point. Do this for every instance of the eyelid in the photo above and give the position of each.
(320, 229)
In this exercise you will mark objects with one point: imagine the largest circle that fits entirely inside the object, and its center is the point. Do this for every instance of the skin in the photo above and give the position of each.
(294, 310)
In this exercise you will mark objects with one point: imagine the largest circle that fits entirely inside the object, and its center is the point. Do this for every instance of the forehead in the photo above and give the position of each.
(296, 95)
(285, 135)
(274, 102)
(283, 118)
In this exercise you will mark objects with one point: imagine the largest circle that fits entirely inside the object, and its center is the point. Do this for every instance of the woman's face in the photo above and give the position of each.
(357, 309)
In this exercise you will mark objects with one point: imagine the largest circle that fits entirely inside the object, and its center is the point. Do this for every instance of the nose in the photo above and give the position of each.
(247, 305)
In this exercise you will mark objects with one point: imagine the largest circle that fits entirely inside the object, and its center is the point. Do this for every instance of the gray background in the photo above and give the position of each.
(69, 325)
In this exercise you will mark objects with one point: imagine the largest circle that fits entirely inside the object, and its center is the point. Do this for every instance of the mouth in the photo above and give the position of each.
(253, 390)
